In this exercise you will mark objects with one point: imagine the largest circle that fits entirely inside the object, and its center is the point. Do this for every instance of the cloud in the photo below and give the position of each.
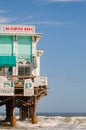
(53, 1)
(30, 17)
(60, 77)
(47, 23)
(5, 20)
(2, 11)
(66, 0)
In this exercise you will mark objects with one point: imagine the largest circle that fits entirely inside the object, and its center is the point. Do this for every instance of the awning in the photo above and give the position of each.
(7, 61)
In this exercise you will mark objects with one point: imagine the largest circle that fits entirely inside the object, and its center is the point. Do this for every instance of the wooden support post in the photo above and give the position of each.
(27, 112)
(30, 111)
(8, 112)
(34, 117)
(13, 117)
(23, 113)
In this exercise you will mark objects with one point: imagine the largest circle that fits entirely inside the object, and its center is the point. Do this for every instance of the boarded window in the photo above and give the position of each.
(24, 48)
(6, 45)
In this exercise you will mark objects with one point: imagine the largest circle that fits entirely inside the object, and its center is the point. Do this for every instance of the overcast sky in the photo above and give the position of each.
(63, 24)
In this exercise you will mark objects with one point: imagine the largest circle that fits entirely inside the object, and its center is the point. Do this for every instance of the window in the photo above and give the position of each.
(27, 71)
(24, 71)
(21, 71)
(4, 71)
(9, 71)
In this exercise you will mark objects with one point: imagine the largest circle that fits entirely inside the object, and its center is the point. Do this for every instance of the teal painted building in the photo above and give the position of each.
(19, 60)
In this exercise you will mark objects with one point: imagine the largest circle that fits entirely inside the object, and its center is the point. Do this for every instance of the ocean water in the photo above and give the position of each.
(50, 122)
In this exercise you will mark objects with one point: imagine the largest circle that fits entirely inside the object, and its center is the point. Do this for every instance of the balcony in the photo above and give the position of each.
(24, 86)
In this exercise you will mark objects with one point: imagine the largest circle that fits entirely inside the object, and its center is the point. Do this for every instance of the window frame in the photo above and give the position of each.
(24, 67)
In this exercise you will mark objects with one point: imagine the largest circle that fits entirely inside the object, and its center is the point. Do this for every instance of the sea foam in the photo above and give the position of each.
(50, 123)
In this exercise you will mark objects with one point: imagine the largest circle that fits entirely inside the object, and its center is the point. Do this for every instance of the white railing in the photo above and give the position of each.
(40, 81)
(37, 81)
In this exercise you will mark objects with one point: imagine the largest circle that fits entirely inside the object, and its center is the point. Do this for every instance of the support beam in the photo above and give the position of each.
(30, 111)
(23, 113)
(8, 112)
(10, 117)
(6, 100)
(34, 117)
(13, 117)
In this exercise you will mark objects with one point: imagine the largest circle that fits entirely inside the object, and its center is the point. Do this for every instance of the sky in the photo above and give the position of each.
(63, 25)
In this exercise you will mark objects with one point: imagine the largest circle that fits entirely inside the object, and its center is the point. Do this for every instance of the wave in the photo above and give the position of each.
(52, 122)
(56, 122)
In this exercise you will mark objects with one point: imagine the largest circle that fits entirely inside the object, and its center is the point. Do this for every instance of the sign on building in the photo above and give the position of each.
(17, 29)
(28, 88)
(7, 88)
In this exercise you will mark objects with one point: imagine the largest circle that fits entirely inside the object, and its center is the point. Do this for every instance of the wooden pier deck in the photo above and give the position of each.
(25, 104)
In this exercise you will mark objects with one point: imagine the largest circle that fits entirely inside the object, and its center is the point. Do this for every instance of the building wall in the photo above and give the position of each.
(25, 50)
(20, 42)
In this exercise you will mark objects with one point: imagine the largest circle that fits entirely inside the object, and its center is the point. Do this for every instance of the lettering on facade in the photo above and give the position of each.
(7, 91)
(7, 88)
(17, 29)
